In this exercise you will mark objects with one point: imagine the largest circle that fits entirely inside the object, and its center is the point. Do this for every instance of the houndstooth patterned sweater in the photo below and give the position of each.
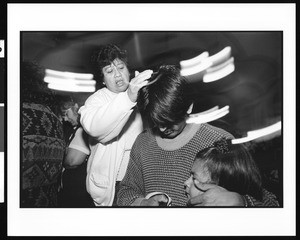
(163, 165)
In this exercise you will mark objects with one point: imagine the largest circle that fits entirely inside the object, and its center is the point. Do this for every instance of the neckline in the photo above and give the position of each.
(180, 140)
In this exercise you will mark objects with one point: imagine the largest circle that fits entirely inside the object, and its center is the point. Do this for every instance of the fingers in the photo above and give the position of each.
(140, 78)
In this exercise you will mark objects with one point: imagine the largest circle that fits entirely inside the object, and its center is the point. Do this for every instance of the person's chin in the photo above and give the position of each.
(123, 88)
(170, 135)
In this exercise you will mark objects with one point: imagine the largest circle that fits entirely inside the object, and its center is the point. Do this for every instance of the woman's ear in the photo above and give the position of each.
(189, 111)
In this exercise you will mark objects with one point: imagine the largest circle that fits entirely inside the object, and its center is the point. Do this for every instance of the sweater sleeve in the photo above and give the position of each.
(268, 200)
(80, 141)
(103, 116)
(132, 185)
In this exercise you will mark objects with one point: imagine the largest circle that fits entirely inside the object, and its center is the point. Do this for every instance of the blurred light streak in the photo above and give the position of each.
(220, 66)
(71, 87)
(196, 69)
(193, 61)
(208, 116)
(221, 56)
(218, 74)
(252, 135)
(69, 81)
(204, 112)
(83, 76)
(205, 62)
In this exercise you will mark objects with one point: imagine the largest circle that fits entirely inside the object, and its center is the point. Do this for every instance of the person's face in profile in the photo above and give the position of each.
(70, 116)
(199, 172)
(116, 76)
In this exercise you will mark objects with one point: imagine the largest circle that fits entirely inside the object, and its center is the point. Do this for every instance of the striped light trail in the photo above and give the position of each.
(209, 115)
(260, 133)
(69, 81)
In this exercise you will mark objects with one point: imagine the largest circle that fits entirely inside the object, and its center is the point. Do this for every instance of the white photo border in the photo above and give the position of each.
(141, 221)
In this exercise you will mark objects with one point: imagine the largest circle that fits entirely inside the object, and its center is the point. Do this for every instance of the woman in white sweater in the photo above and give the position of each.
(111, 119)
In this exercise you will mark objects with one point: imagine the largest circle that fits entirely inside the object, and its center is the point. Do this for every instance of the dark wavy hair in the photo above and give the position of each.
(164, 101)
(232, 167)
(105, 55)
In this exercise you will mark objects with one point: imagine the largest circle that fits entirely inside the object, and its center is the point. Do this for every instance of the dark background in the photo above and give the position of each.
(253, 91)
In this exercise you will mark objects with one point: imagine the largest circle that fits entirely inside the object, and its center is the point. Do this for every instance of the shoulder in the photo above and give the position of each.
(144, 135)
(41, 110)
(144, 138)
(214, 131)
(39, 120)
(100, 95)
(207, 135)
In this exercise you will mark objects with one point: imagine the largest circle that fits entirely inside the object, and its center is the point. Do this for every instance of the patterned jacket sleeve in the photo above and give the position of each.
(132, 185)
(268, 200)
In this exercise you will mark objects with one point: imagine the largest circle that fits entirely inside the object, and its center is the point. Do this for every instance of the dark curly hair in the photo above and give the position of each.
(104, 56)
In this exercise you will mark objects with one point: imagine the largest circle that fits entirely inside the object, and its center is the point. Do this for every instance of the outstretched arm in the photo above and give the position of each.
(78, 150)
(104, 117)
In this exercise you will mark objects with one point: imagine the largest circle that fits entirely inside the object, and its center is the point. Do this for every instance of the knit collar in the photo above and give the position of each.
(179, 141)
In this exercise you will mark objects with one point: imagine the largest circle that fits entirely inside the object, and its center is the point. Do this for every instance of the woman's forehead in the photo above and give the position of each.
(116, 61)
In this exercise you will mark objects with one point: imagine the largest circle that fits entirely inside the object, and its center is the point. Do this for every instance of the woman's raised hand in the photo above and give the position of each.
(139, 81)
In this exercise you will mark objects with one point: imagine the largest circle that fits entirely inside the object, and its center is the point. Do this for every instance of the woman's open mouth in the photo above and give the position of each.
(120, 83)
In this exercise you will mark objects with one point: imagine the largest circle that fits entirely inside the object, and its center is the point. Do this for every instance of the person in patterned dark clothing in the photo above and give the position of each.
(162, 156)
(43, 142)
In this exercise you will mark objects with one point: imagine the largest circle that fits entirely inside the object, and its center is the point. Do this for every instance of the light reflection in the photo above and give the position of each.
(218, 74)
(71, 87)
(256, 134)
(69, 81)
(193, 61)
(203, 62)
(209, 115)
(83, 76)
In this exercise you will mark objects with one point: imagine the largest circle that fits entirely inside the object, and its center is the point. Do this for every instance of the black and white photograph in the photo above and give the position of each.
(158, 126)
(239, 81)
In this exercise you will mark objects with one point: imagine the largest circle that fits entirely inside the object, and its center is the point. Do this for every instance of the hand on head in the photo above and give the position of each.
(139, 81)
